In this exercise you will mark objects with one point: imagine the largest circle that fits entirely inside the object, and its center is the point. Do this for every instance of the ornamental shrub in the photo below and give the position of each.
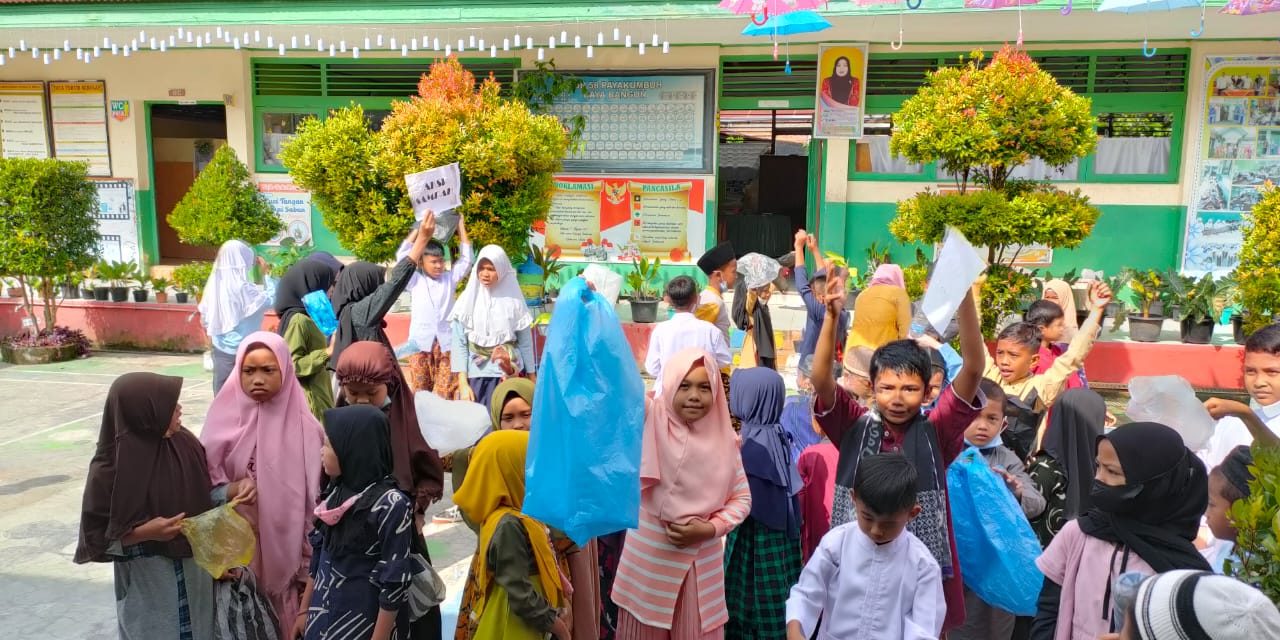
(1258, 273)
(224, 204)
(48, 228)
(1256, 518)
(507, 154)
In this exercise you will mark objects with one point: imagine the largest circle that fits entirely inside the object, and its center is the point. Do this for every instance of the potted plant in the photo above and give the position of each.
(1195, 300)
(141, 281)
(86, 283)
(644, 298)
(161, 287)
(101, 287)
(189, 280)
(537, 281)
(70, 285)
(1149, 287)
(12, 288)
(117, 275)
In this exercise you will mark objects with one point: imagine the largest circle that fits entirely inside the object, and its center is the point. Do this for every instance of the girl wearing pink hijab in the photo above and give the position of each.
(693, 491)
(263, 443)
(882, 312)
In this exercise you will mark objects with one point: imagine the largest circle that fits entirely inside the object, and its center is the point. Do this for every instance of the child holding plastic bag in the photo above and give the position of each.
(147, 474)
(360, 563)
(693, 491)
(1148, 496)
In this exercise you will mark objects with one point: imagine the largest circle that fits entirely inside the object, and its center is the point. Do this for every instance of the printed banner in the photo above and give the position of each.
(841, 91)
(79, 111)
(23, 127)
(117, 222)
(293, 205)
(1239, 152)
(616, 219)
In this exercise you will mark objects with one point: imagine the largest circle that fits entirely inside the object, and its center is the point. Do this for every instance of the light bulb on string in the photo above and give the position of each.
(506, 44)
(404, 51)
(134, 45)
(551, 42)
(35, 53)
(591, 51)
(355, 52)
(57, 54)
(320, 46)
(628, 41)
(493, 51)
(153, 46)
(471, 42)
(257, 35)
(142, 34)
(181, 32)
(245, 38)
(462, 46)
(281, 49)
(219, 32)
(379, 39)
(655, 38)
(190, 37)
(600, 38)
(97, 52)
(529, 44)
(541, 53)
(342, 46)
(306, 40)
(115, 49)
(173, 40)
(577, 42)
(271, 42)
(208, 37)
(413, 44)
(293, 42)
(126, 52)
(2, 59)
(66, 45)
(435, 44)
(393, 46)
(22, 45)
(617, 33)
(482, 46)
(333, 51)
(164, 46)
(367, 43)
(79, 54)
(200, 43)
(641, 48)
(448, 50)
(666, 47)
(235, 44)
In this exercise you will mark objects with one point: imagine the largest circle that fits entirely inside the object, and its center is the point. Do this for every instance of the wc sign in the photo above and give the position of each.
(436, 190)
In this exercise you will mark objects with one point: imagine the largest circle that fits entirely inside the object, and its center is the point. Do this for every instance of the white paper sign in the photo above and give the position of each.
(957, 266)
(435, 190)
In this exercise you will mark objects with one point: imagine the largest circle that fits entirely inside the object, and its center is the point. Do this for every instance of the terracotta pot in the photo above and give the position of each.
(162, 297)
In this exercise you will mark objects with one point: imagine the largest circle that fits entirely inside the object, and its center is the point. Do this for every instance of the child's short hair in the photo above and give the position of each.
(682, 291)
(886, 483)
(1234, 471)
(1264, 340)
(936, 363)
(434, 249)
(993, 391)
(1043, 312)
(904, 357)
(1022, 333)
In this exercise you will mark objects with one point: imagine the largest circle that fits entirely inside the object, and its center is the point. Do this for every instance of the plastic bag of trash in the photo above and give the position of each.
(606, 283)
(450, 425)
(1170, 400)
(220, 539)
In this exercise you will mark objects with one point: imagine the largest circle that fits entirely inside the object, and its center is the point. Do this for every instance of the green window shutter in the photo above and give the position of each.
(888, 76)
(746, 84)
(356, 79)
(1070, 71)
(1135, 73)
(292, 79)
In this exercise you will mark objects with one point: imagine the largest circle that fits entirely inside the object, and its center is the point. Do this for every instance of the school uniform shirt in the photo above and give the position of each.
(1231, 433)
(868, 591)
(682, 331)
(229, 342)
(433, 300)
(711, 308)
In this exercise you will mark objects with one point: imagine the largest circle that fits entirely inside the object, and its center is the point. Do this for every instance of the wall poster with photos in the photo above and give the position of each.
(1239, 152)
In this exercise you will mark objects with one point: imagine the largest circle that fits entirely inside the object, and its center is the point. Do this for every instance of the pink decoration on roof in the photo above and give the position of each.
(998, 4)
(1250, 7)
(770, 7)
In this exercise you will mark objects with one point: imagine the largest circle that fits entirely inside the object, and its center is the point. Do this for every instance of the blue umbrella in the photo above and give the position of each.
(1143, 6)
(789, 24)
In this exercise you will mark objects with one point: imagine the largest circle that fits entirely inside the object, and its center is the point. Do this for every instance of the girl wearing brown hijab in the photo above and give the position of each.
(147, 474)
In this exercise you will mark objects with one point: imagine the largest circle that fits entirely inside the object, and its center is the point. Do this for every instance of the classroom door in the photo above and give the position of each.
(183, 139)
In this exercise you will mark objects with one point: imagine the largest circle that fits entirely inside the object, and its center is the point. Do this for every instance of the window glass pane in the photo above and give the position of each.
(1134, 144)
(1036, 169)
(873, 155)
(278, 128)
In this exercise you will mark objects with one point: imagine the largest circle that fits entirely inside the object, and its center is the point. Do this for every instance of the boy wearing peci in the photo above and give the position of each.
(900, 374)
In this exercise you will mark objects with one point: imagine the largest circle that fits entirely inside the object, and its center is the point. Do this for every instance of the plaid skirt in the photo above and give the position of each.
(761, 566)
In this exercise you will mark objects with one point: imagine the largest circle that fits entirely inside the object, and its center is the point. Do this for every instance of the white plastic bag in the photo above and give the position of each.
(606, 282)
(1170, 400)
(450, 425)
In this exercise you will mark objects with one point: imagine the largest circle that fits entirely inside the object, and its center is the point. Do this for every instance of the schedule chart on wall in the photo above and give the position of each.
(80, 124)
(22, 120)
(641, 123)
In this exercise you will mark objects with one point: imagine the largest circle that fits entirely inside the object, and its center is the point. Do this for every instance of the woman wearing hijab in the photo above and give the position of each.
(492, 328)
(882, 312)
(307, 346)
(325, 258)
(147, 474)
(1064, 467)
(841, 88)
(751, 309)
(515, 586)
(1148, 496)
(259, 432)
(232, 307)
(361, 298)
(762, 556)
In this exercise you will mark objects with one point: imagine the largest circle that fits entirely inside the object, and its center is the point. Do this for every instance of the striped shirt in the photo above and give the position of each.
(652, 569)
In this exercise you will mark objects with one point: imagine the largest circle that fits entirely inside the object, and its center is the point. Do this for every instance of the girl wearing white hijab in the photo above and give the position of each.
(232, 307)
(492, 328)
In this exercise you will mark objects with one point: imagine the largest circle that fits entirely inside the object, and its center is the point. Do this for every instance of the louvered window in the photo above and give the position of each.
(766, 84)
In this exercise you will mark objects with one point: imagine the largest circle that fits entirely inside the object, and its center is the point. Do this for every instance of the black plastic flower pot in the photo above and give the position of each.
(1237, 328)
(181, 297)
(1197, 332)
(140, 295)
(69, 291)
(644, 311)
(102, 294)
(86, 294)
(119, 294)
(1145, 329)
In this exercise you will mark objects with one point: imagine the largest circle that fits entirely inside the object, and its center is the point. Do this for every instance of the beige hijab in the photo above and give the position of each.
(1066, 300)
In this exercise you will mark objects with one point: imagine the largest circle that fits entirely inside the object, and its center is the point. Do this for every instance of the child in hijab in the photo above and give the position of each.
(232, 307)
(751, 309)
(693, 491)
(1060, 293)
(307, 346)
(762, 555)
(261, 439)
(147, 474)
(362, 297)
(1193, 604)
(492, 328)
(1148, 496)
(360, 564)
(518, 590)
(1064, 467)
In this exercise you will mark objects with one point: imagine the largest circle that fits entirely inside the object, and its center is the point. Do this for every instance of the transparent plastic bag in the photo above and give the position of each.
(607, 283)
(221, 539)
(450, 425)
(1171, 401)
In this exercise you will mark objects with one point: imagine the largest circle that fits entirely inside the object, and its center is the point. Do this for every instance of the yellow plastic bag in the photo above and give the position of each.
(221, 539)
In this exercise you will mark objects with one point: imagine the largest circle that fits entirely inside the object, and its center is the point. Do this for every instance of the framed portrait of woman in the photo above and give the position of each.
(841, 91)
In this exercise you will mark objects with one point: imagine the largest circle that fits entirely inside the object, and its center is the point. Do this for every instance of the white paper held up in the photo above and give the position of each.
(955, 269)
(437, 190)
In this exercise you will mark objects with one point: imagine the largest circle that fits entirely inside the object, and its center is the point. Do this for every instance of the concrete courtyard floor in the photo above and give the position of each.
(49, 421)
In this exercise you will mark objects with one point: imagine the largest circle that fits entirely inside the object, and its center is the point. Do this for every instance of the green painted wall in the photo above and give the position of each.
(1145, 236)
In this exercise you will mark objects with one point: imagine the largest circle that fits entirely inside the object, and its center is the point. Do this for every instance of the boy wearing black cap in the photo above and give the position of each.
(721, 266)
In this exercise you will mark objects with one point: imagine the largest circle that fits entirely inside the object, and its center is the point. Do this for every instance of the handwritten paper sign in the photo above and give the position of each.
(436, 190)
(957, 266)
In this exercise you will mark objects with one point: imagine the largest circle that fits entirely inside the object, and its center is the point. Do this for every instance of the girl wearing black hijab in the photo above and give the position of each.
(1064, 467)
(841, 87)
(1148, 496)
(307, 344)
(147, 474)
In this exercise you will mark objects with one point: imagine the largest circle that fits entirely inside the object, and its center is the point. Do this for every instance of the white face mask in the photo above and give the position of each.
(1267, 413)
(386, 402)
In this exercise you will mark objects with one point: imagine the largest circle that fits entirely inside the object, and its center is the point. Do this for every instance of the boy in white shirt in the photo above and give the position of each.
(872, 579)
(433, 289)
(1262, 381)
(683, 331)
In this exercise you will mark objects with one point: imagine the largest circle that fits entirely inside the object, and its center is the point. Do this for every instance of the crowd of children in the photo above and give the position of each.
(824, 515)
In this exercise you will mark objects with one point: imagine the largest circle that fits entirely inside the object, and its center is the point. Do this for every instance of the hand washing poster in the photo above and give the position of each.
(293, 205)
(617, 219)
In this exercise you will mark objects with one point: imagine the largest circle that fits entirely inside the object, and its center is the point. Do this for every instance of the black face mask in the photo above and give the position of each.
(1114, 500)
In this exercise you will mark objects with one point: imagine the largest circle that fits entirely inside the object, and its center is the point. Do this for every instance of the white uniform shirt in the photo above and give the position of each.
(433, 300)
(866, 591)
(1231, 433)
(681, 332)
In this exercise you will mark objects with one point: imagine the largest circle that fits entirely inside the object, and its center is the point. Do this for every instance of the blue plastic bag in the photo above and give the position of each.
(582, 474)
(321, 312)
(996, 547)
